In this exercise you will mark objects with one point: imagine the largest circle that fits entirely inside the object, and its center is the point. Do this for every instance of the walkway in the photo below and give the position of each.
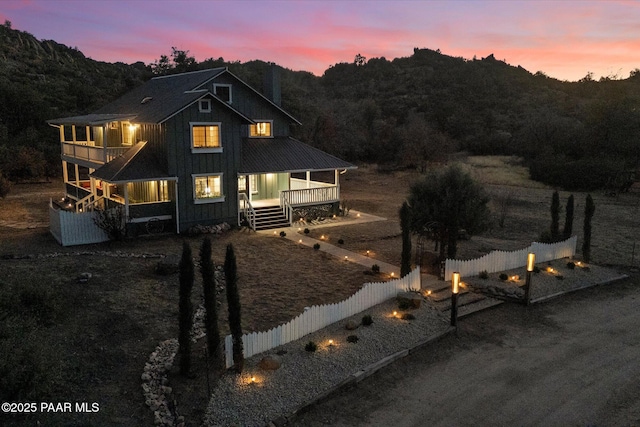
(355, 217)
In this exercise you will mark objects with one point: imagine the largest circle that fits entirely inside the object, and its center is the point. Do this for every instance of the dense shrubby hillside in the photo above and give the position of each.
(407, 112)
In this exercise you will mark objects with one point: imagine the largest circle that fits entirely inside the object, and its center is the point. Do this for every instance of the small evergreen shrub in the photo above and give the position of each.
(503, 276)
(283, 234)
(403, 305)
(375, 268)
(306, 231)
(536, 269)
(352, 339)
(340, 242)
(367, 320)
(571, 265)
(316, 246)
(311, 347)
(408, 316)
(483, 275)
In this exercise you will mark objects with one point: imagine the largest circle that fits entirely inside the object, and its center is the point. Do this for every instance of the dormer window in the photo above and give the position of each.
(223, 92)
(205, 105)
(261, 129)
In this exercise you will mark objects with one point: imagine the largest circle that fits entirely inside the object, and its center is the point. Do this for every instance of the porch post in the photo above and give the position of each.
(65, 172)
(126, 200)
(76, 169)
(337, 183)
(175, 183)
(308, 179)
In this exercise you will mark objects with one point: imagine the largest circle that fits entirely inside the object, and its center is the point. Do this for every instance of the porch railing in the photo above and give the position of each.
(246, 209)
(90, 153)
(311, 196)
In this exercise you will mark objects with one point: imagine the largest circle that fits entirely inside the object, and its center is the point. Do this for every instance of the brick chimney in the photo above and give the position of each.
(272, 84)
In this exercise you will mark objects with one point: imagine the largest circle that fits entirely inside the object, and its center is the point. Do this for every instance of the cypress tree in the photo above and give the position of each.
(233, 302)
(555, 216)
(207, 270)
(568, 219)
(405, 225)
(589, 210)
(186, 309)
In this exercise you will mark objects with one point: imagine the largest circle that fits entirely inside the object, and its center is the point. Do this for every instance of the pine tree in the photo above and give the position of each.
(233, 302)
(568, 219)
(185, 308)
(589, 210)
(555, 216)
(207, 270)
(405, 225)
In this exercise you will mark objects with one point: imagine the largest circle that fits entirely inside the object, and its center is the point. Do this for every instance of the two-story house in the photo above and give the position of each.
(195, 148)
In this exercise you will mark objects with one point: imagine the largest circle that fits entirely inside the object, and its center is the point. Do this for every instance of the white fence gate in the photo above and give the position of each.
(507, 260)
(317, 317)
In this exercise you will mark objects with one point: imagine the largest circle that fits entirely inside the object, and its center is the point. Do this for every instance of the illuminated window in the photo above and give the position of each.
(149, 192)
(260, 130)
(129, 132)
(206, 136)
(207, 188)
(223, 92)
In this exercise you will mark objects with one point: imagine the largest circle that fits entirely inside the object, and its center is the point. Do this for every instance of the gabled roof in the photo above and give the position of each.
(285, 154)
(162, 97)
(139, 163)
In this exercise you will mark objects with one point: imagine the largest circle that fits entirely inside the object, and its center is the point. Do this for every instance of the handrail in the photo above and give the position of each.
(287, 209)
(248, 210)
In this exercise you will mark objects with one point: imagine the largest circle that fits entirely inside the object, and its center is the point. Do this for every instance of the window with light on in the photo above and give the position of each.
(206, 136)
(208, 187)
(260, 129)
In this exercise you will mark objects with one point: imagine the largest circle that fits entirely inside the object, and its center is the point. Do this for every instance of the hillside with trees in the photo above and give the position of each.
(402, 113)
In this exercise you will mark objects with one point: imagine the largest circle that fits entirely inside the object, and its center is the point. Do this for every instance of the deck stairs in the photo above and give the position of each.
(269, 217)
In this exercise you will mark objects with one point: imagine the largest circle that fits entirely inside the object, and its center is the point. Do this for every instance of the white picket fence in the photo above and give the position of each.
(317, 317)
(506, 260)
(71, 228)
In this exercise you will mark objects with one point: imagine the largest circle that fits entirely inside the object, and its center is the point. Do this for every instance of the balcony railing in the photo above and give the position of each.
(90, 153)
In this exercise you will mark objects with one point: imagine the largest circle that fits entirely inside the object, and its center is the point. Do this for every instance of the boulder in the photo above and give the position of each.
(351, 325)
(410, 299)
(271, 362)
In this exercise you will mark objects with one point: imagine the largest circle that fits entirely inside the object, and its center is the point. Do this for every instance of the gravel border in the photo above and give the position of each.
(305, 377)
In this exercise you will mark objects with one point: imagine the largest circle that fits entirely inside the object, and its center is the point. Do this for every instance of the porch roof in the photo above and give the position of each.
(91, 119)
(136, 164)
(285, 154)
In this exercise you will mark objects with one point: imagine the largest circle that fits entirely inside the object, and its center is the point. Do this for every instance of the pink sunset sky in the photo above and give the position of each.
(564, 39)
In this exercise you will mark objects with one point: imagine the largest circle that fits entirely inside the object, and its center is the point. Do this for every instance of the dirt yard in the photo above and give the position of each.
(98, 336)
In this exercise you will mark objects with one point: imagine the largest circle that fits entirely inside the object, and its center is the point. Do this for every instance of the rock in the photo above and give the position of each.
(351, 325)
(411, 299)
(84, 277)
(271, 362)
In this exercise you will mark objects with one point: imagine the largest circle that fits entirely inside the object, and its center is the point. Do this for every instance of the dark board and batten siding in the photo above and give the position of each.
(253, 106)
(183, 163)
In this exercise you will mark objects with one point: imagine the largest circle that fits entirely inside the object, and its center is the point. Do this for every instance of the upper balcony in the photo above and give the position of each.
(95, 139)
(88, 152)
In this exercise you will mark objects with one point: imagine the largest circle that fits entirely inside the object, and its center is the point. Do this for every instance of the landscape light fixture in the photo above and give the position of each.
(531, 260)
(455, 289)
